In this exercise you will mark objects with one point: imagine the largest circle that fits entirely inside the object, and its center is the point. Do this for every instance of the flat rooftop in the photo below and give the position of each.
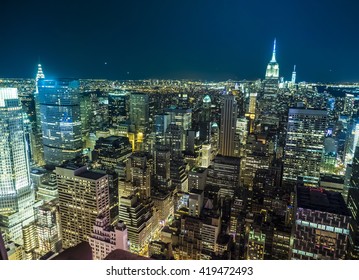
(227, 160)
(37, 171)
(119, 254)
(71, 165)
(195, 191)
(198, 169)
(112, 138)
(91, 175)
(81, 251)
(332, 179)
(321, 200)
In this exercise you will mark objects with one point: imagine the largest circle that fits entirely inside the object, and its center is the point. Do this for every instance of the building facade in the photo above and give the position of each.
(304, 146)
(322, 225)
(60, 120)
(228, 125)
(17, 197)
(83, 196)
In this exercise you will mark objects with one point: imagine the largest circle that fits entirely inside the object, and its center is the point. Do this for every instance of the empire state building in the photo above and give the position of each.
(272, 71)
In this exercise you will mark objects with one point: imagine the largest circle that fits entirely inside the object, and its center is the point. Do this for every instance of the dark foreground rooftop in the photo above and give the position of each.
(82, 251)
(321, 200)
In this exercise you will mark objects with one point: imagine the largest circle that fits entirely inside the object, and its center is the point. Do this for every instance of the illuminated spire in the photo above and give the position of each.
(272, 71)
(39, 75)
(274, 50)
(294, 75)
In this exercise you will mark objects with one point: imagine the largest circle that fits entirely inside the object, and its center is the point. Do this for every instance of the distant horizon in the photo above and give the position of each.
(52, 77)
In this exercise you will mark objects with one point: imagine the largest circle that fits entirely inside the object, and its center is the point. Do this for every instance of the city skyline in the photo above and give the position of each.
(199, 131)
(201, 40)
(180, 170)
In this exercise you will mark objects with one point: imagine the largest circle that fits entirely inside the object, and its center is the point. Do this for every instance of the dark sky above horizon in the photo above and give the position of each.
(195, 39)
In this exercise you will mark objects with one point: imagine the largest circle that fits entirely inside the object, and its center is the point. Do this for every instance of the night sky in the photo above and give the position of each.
(194, 39)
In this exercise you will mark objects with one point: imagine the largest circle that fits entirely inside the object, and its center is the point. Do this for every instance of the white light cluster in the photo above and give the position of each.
(6, 94)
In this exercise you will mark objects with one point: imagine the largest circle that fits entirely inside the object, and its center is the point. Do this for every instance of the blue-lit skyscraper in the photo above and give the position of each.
(60, 120)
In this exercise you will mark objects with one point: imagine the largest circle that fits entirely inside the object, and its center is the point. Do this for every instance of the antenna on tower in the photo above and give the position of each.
(274, 50)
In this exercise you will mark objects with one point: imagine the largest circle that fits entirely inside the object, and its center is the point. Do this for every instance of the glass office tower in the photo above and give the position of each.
(60, 120)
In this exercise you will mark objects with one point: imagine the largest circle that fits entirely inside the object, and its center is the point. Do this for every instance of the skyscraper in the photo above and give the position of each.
(353, 205)
(183, 119)
(205, 119)
(322, 225)
(251, 111)
(272, 76)
(272, 71)
(83, 196)
(162, 121)
(16, 190)
(173, 140)
(38, 149)
(39, 75)
(304, 146)
(139, 111)
(109, 152)
(14, 171)
(140, 168)
(48, 228)
(228, 125)
(60, 119)
(162, 159)
(294, 76)
(138, 221)
(224, 173)
(118, 107)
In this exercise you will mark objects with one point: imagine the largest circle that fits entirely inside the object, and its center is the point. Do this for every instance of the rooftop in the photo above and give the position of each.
(119, 254)
(332, 178)
(111, 139)
(198, 169)
(223, 239)
(71, 166)
(195, 191)
(91, 175)
(303, 111)
(227, 160)
(81, 251)
(321, 200)
(38, 171)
